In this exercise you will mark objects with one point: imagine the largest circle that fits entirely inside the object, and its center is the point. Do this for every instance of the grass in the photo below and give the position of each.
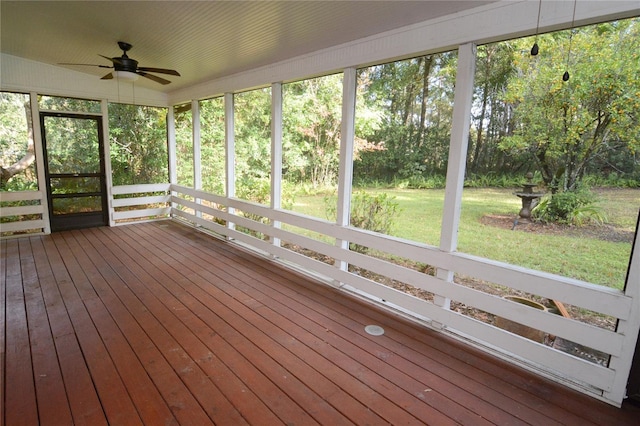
(586, 258)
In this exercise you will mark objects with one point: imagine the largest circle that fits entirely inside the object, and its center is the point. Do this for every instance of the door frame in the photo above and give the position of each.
(76, 220)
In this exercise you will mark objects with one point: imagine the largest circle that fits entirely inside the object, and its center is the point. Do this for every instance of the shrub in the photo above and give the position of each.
(371, 212)
(570, 207)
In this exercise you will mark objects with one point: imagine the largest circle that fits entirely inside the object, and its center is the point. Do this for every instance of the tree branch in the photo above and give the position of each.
(23, 164)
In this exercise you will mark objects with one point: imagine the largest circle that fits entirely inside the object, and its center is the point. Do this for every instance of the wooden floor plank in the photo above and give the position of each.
(540, 398)
(269, 391)
(183, 329)
(20, 397)
(53, 405)
(158, 323)
(401, 353)
(149, 338)
(119, 330)
(72, 283)
(258, 331)
(370, 349)
(531, 407)
(331, 360)
(81, 393)
(3, 305)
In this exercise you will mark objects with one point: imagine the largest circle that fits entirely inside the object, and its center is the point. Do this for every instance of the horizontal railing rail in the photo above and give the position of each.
(13, 217)
(132, 203)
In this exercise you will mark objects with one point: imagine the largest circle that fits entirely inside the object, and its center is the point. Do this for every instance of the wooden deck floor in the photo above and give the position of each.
(159, 324)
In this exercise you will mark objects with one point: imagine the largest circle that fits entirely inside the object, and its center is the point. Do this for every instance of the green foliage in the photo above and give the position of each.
(371, 212)
(568, 128)
(57, 103)
(253, 144)
(312, 115)
(212, 145)
(14, 144)
(138, 144)
(612, 180)
(572, 207)
(493, 180)
(412, 103)
(184, 144)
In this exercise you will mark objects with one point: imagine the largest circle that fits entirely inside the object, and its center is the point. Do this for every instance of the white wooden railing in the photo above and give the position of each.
(222, 216)
(20, 225)
(134, 206)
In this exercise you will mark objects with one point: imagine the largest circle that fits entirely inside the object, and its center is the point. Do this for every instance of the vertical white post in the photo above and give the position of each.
(197, 152)
(629, 328)
(345, 176)
(229, 137)
(171, 149)
(461, 121)
(276, 153)
(104, 108)
(39, 151)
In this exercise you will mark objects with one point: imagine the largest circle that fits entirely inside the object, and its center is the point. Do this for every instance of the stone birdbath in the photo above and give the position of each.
(529, 198)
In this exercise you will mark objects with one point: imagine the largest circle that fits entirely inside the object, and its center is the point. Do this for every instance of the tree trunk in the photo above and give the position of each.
(23, 164)
(425, 94)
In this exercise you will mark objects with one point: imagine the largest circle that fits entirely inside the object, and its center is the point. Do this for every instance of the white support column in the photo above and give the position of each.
(104, 108)
(39, 151)
(628, 328)
(197, 152)
(276, 153)
(345, 177)
(229, 137)
(171, 148)
(459, 143)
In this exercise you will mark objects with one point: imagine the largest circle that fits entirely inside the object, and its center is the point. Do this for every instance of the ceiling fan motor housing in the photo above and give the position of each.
(125, 63)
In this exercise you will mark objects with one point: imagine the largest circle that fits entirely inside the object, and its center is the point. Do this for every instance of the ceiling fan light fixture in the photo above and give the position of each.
(125, 75)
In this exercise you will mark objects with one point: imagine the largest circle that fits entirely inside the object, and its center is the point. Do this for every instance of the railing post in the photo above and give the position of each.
(104, 109)
(276, 154)
(630, 328)
(171, 150)
(457, 159)
(39, 151)
(229, 138)
(345, 176)
(197, 152)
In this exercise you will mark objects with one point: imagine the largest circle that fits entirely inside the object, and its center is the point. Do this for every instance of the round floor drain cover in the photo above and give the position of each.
(374, 330)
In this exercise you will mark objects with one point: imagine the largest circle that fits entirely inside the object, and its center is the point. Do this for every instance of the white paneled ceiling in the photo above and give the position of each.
(203, 40)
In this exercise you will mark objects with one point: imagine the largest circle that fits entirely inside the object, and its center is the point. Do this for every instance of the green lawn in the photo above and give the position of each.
(586, 258)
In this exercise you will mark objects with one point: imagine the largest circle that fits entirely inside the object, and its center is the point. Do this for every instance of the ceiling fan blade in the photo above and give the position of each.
(88, 65)
(153, 77)
(114, 60)
(107, 77)
(159, 70)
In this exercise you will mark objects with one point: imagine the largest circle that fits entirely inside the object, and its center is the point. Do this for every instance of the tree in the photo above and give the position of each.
(490, 113)
(312, 116)
(10, 107)
(414, 100)
(138, 144)
(565, 125)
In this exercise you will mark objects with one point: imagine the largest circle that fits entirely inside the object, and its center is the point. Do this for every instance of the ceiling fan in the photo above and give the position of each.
(124, 64)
